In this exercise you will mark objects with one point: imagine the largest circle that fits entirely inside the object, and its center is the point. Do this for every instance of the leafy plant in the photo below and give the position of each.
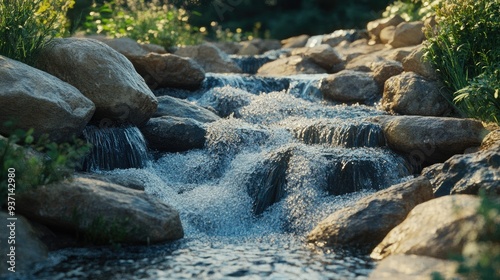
(147, 22)
(463, 49)
(411, 10)
(37, 162)
(27, 26)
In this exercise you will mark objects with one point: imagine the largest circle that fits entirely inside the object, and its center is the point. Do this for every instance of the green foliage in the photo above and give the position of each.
(147, 22)
(463, 49)
(37, 162)
(412, 10)
(27, 26)
(103, 232)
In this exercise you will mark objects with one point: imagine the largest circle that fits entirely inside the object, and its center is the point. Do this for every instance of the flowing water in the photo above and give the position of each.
(280, 161)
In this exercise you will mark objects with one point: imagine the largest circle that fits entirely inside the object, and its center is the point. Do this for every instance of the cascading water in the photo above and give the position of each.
(278, 163)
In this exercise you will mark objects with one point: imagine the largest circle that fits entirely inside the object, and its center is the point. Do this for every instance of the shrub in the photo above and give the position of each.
(154, 22)
(463, 49)
(26, 26)
(411, 10)
(37, 162)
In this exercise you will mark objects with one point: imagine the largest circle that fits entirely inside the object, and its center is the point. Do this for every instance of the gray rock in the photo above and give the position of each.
(103, 75)
(101, 211)
(437, 228)
(168, 70)
(173, 134)
(467, 174)
(411, 94)
(210, 58)
(28, 249)
(292, 65)
(34, 99)
(415, 62)
(408, 34)
(124, 180)
(430, 139)
(369, 220)
(413, 267)
(350, 86)
(175, 107)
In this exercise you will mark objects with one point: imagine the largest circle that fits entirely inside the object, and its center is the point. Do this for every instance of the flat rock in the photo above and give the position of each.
(101, 211)
(369, 220)
(103, 75)
(431, 139)
(437, 228)
(35, 99)
(174, 134)
(175, 107)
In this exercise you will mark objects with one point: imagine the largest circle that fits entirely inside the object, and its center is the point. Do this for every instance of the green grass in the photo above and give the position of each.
(27, 26)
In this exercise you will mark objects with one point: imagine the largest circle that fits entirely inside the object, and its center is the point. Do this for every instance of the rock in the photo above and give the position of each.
(126, 180)
(358, 48)
(492, 139)
(363, 62)
(414, 62)
(411, 94)
(175, 107)
(467, 174)
(34, 99)
(350, 86)
(101, 211)
(126, 46)
(247, 48)
(437, 228)
(354, 225)
(29, 250)
(338, 36)
(323, 55)
(174, 134)
(408, 34)
(401, 53)
(295, 42)
(292, 65)
(387, 34)
(430, 139)
(153, 48)
(265, 45)
(168, 70)
(103, 75)
(211, 58)
(228, 47)
(384, 69)
(413, 267)
(375, 27)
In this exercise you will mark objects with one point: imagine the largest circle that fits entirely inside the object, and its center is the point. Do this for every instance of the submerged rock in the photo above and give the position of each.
(34, 99)
(437, 228)
(103, 75)
(174, 134)
(369, 220)
(101, 212)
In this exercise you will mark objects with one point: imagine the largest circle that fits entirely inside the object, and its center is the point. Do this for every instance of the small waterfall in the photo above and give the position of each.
(250, 64)
(115, 147)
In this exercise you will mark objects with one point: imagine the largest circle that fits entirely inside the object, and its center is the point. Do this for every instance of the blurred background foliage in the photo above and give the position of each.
(277, 19)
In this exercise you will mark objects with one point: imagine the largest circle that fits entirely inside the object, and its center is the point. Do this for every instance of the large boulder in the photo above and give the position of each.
(408, 34)
(438, 228)
(101, 211)
(103, 75)
(350, 86)
(168, 70)
(210, 58)
(34, 99)
(430, 139)
(467, 174)
(413, 267)
(411, 94)
(292, 65)
(175, 107)
(174, 134)
(369, 220)
(28, 249)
